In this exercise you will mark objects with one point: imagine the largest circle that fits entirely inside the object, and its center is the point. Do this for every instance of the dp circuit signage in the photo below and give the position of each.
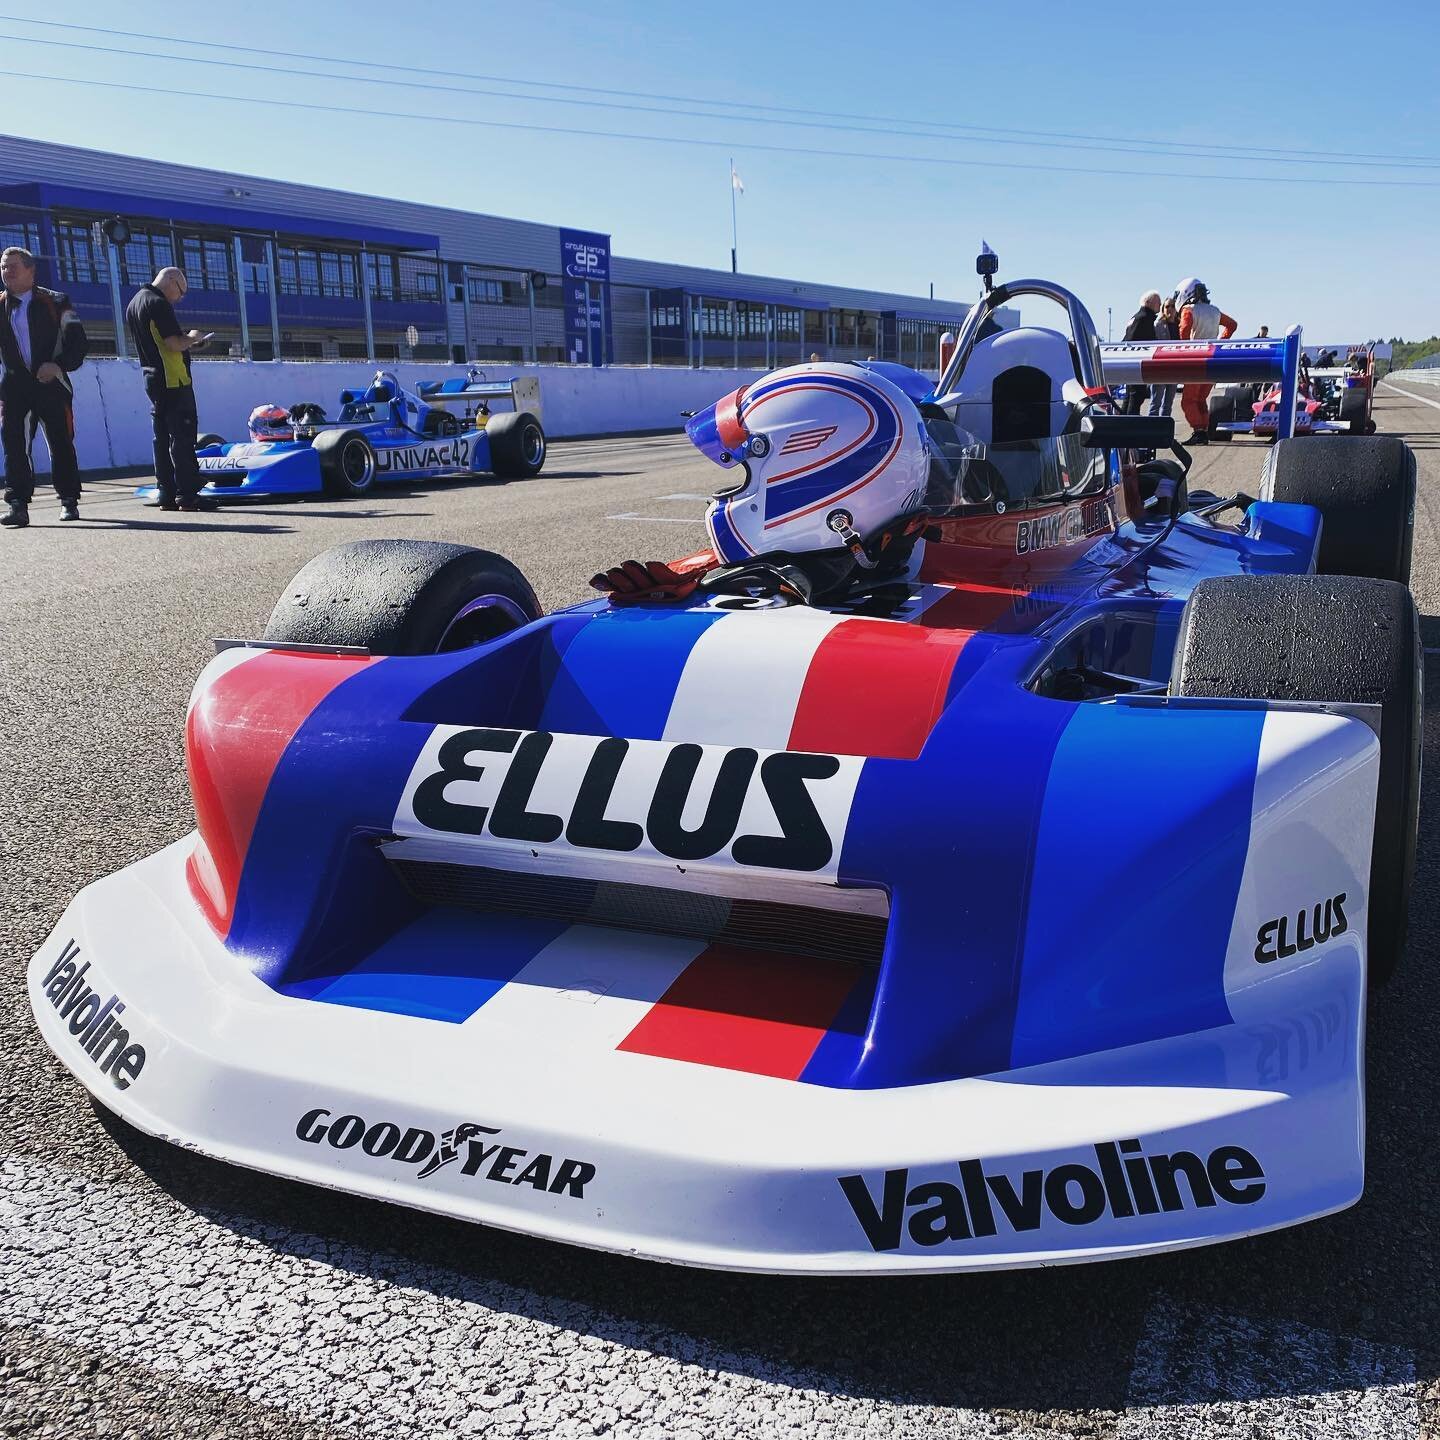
(585, 267)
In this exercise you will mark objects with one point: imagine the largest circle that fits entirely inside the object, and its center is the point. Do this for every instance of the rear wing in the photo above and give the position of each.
(1211, 362)
(522, 391)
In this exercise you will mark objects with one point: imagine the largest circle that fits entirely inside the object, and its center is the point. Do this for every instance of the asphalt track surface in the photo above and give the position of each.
(147, 1292)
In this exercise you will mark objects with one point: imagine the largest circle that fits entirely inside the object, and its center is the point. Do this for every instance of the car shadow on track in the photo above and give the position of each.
(1031, 1340)
(111, 523)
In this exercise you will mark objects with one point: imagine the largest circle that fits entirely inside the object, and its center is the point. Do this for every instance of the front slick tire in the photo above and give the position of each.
(403, 597)
(347, 462)
(1364, 488)
(1325, 638)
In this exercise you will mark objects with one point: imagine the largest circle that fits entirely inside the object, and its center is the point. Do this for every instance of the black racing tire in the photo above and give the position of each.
(403, 597)
(1325, 638)
(1364, 488)
(1221, 437)
(347, 462)
(517, 445)
(1355, 409)
(1234, 405)
(208, 439)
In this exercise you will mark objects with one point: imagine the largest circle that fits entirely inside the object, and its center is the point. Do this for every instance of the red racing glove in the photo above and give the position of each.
(654, 580)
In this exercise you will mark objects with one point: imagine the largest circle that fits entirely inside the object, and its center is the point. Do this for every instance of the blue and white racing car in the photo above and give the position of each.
(998, 886)
(383, 433)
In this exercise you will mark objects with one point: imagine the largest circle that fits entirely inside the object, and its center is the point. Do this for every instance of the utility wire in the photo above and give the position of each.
(908, 159)
(389, 84)
(1112, 147)
(1194, 149)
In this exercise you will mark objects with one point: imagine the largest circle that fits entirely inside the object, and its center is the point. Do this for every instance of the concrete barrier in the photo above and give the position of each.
(112, 416)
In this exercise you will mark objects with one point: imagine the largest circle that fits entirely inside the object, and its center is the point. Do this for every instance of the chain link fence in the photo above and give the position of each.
(278, 297)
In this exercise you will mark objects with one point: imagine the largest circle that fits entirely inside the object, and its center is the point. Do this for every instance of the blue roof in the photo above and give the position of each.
(43, 195)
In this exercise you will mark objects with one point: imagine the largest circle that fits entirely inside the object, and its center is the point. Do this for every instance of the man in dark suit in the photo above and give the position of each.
(41, 343)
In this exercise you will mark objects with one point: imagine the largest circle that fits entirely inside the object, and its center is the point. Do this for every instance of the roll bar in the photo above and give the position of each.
(1082, 330)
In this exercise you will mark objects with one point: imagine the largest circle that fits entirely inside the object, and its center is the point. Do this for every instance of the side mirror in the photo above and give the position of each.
(1127, 432)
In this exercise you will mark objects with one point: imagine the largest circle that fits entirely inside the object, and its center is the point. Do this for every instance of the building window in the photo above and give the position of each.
(419, 279)
(145, 254)
(206, 263)
(23, 233)
(711, 318)
(665, 317)
(76, 258)
(305, 271)
(485, 291)
(380, 270)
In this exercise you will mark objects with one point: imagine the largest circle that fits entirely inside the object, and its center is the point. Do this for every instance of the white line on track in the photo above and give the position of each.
(658, 519)
(383, 1347)
(683, 495)
(1199, 1371)
(1411, 395)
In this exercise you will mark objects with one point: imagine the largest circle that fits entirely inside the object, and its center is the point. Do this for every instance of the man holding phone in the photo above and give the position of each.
(164, 351)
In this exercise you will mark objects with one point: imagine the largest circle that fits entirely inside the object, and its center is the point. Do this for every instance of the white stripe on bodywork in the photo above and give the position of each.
(742, 682)
(1312, 821)
(589, 987)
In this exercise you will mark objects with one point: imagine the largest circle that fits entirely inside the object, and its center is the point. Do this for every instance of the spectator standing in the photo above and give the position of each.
(1263, 333)
(1200, 320)
(1167, 328)
(1141, 327)
(41, 343)
(164, 351)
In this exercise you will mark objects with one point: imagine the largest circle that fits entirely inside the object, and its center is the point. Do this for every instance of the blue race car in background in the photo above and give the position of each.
(383, 433)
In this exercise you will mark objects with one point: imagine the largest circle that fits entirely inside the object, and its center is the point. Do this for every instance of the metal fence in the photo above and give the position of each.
(293, 298)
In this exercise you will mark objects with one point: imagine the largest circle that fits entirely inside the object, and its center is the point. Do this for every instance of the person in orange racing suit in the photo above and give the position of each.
(1200, 320)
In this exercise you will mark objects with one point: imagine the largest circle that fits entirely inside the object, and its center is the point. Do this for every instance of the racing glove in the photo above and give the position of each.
(654, 580)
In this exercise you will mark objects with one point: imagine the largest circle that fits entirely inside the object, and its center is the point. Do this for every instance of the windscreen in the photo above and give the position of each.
(967, 473)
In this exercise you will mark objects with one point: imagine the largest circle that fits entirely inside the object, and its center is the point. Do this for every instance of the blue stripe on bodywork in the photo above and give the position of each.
(620, 673)
(1141, 847)
(314, 888)
(443, 966)
(838, 1053)
(950, 837)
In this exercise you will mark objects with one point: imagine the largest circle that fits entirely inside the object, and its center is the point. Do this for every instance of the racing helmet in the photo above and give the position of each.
(270, 422)
(1185, 290)
(819, 456)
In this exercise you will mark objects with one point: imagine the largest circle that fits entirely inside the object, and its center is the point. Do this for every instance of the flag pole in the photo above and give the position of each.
(734, 237)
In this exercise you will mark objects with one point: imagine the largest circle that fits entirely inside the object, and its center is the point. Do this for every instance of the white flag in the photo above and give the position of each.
(736, 183)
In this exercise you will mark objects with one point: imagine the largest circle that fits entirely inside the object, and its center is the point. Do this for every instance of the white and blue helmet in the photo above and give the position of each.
(1185, 290)
(821, 454)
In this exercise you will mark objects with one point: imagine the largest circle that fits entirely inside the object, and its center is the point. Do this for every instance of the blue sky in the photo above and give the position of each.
(1345, 260)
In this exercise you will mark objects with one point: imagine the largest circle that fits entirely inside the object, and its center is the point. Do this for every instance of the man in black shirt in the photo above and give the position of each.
(41, 343)
(1141, 327)
(164, 351)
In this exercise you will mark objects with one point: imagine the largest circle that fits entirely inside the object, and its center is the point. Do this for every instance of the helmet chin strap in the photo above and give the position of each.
(842, 525)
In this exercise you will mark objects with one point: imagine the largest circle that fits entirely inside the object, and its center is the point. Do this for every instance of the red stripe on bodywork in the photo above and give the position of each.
(235, 734)
(968, 608)
(748, 1010)
(875, 687)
